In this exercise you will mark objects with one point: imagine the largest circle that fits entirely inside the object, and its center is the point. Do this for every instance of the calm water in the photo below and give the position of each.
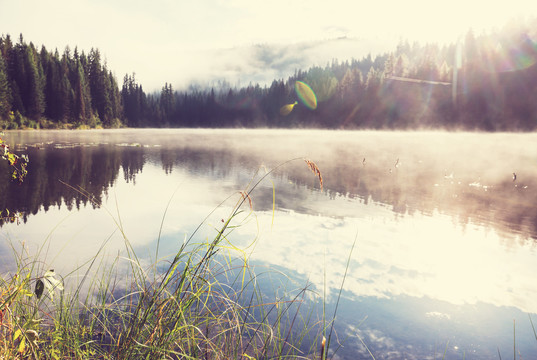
(445, 237)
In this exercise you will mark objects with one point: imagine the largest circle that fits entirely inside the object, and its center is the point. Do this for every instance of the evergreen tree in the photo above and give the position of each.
(96, 83)
(107, 112)
(390, 66)
(401, 66)
(134, 102)
(36, 82)
(115, 98)
(167, 102)
(130, 107)
(51, 67)
(428, 68)
(17, 76)
(82, 97)
(66, 94)
(5, 91)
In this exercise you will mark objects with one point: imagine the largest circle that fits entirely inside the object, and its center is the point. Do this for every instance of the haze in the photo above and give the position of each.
(243, 41)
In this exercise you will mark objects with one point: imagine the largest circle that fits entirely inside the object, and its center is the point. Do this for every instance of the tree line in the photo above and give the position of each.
(482, 82)
(42, 88)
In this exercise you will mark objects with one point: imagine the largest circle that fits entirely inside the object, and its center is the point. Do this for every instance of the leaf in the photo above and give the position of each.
(32, 336)
(26, 293)
(39, 287)
(22, 345)
(50, 277)
(33, 323)
(17, 334)
(51, 283)
(12, 158)
(170, 274)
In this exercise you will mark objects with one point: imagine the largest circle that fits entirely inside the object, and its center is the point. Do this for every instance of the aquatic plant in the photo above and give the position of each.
(204, 302)
(19, 165)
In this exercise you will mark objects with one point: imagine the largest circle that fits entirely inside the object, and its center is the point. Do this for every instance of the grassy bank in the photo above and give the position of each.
(196, 304)
(16, 121)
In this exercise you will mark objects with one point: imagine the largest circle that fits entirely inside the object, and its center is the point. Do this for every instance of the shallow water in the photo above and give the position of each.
(445, 237)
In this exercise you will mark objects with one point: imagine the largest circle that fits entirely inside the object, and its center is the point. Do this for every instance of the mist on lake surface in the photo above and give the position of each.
(445, 223)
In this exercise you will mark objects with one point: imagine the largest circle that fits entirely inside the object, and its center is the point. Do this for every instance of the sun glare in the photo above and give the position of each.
(426, 21)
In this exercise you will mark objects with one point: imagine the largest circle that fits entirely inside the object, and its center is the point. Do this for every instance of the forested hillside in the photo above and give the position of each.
(482, 82)
(48, 89)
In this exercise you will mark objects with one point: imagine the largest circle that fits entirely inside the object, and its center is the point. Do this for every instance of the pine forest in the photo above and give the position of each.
(483, 82)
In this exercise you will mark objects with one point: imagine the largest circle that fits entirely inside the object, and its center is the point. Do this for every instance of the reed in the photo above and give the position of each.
(200, 305)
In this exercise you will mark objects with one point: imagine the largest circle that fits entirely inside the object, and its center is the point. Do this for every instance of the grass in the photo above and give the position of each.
(196, 304)
(201, 303)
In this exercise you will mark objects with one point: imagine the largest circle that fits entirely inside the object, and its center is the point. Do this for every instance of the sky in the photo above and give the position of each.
(241, 41)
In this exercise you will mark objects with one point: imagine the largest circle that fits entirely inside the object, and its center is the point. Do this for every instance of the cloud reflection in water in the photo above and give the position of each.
(428, 242)
(418, 256)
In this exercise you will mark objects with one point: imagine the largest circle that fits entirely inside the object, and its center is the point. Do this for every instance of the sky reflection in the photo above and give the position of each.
(431, 252)
(418, 256)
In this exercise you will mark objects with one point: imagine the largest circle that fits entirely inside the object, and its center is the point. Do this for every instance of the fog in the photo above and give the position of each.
(469, 176)
(262, 63)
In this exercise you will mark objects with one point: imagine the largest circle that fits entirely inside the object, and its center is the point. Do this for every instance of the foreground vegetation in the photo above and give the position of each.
(196, 307)
(196, 304)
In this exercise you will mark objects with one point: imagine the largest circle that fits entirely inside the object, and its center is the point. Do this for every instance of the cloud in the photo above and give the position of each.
(262, 63)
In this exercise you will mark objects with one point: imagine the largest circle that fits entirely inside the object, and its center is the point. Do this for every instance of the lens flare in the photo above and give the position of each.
(518, 57)
(306, 95)
(286, 109)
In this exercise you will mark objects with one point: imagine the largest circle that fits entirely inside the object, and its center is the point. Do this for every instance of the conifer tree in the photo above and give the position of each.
(51, 68)
(82, 98)
(115, 97)
(96, 83)
(5, 92)
(105, 98)
(167, 102)
(36, 96)
(17, 76)
(66, 95)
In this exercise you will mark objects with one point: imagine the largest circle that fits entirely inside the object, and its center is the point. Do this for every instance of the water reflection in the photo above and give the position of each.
(445, 236)
(420, 257)
(468, 176)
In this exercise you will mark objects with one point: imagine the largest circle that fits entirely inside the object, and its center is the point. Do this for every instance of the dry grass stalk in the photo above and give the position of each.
(323, 343)
(245, 195)
(315, 169)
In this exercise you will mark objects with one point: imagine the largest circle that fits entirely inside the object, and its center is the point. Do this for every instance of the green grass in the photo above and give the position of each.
(203, 302)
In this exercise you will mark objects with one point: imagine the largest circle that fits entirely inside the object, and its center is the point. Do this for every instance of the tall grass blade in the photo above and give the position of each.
(184, 312)
(340, 291)
(162, 222)
(445, 351)
(532, 327)
(363, 343)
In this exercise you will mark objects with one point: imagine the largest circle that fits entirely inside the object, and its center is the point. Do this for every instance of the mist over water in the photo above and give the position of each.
(445, 232)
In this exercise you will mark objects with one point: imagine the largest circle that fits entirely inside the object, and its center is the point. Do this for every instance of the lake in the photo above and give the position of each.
(444, 224)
